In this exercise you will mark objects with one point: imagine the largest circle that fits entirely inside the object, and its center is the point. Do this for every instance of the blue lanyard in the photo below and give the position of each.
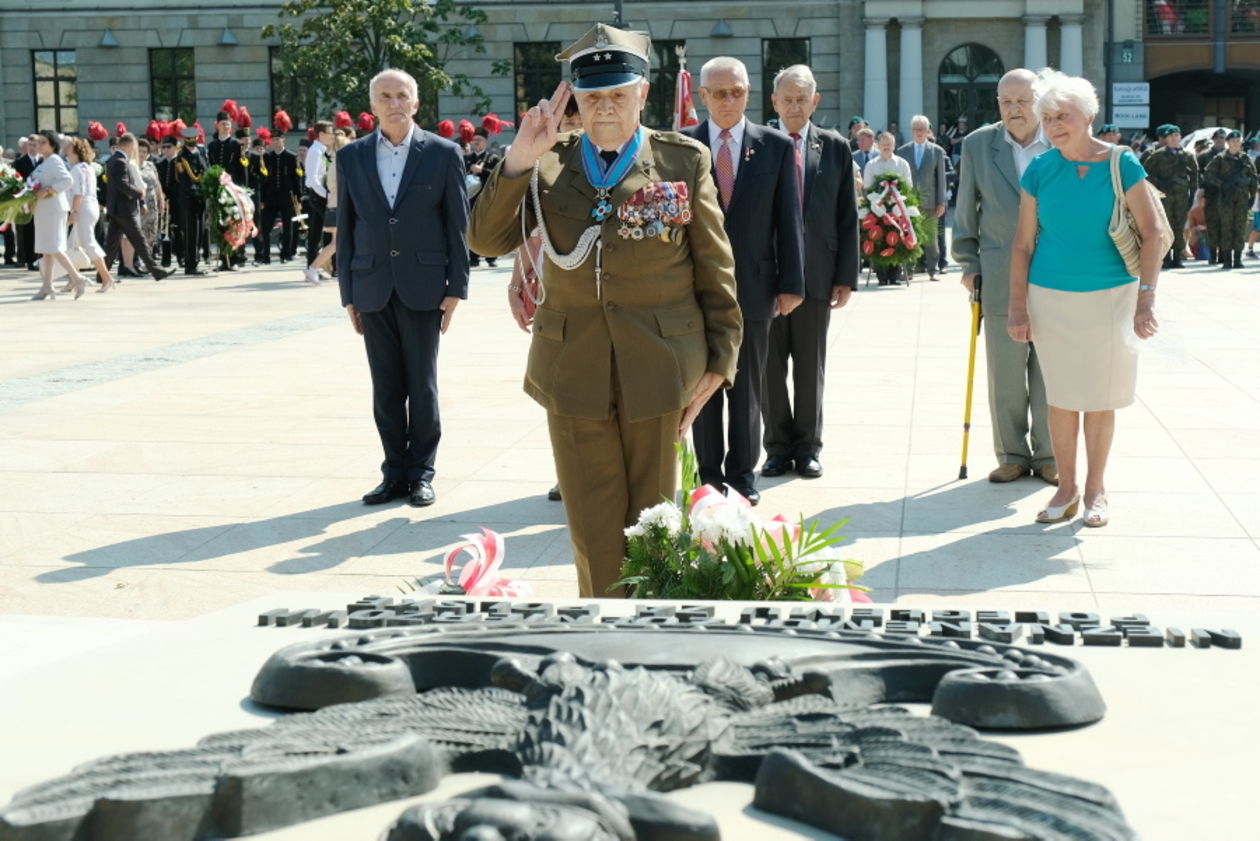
(604, 176)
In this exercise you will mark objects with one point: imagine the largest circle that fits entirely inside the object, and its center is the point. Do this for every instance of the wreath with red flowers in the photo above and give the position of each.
(892, 229)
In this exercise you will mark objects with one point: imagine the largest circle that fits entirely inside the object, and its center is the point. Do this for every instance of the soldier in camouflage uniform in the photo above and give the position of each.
(1210, 197)
(1174, 173)
(1233, 175)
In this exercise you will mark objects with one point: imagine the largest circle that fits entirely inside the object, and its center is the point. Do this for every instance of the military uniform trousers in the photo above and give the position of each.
(288, 233)
(1228, 227)
(609, 471)
(794, 424)
(743, 399)
(192, 224)
(1017, 390)
(1177, 206)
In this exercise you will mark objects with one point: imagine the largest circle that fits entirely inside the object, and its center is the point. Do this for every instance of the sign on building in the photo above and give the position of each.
(1131, 93)
(1131, 116)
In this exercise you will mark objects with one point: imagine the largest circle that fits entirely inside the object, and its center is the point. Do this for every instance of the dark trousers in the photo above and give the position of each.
(171, 243)
(794, 425)
(270, 214)
(402, 349)
(10, 245)
(191, 224)
(26, 243)
(126, 225)
(735, 465)
(315, 206)
(942, 262)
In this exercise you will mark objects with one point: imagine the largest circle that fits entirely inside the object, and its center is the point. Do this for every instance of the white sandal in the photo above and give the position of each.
(1059, 513)
(1096, 516)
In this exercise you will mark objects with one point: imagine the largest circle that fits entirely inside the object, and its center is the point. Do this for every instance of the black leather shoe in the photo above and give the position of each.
(158, 274)
(809, 468)
(750, 494)
(387, 490)
(422, 494)
(776, 466)
(196, 273)
(554, 493)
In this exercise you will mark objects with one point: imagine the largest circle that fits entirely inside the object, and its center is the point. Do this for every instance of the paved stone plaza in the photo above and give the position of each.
(174, 448)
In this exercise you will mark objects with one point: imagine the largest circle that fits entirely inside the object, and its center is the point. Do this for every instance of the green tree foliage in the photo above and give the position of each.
(337, 46)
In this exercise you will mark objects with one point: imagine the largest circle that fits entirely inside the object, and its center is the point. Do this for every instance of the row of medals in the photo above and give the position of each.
(661, 216)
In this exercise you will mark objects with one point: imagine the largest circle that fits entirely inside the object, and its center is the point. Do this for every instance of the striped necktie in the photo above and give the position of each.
(725, 169)
(800, 167)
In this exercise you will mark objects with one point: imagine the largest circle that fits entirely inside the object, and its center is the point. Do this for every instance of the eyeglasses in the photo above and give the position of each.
(732, 94)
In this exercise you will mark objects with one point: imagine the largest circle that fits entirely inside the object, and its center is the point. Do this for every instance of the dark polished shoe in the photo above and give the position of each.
(1178, 264)
(196, 273)
(32, 267)
(554, 493)
(809, 468)
(387, 490)
(422, 494)
(1048, 473)
(158, 274)
(776, 466)
(751, 494)
(1008, 473)
(490, 261)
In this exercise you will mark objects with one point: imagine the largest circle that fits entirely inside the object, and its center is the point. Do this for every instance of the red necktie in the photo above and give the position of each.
(800, 167)
(725, 169)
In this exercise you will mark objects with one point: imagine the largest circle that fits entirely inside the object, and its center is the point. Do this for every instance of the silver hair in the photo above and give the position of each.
(920, 120)
(1054, 90)
(408, 80)
(797, 74)
(723, 62)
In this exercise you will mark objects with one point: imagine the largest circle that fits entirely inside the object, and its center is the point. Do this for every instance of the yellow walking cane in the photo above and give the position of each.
(971, 374)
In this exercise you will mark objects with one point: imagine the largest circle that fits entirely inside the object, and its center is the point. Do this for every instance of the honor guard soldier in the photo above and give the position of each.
(189, 206)
(1231, 176)
(227, 152)
(1174, 173)
(280, 197)
(639, 324)
(171, 240)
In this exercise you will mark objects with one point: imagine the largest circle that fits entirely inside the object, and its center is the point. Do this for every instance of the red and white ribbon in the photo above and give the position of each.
(903, 215)
(486, 552)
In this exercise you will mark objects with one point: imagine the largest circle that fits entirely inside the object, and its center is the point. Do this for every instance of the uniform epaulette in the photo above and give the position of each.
(677, 139)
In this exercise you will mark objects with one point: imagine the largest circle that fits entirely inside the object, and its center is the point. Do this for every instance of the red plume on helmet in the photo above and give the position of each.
(282, 122)
(466, 131)
(311, 134)
(96, 131)
(120, 129)
(201, 133)
(153, 130)
(342, 120)
(265, 134)
(177, 128)
(229, 106)
(243, 119)
(366, 122)
(493, 125)
(446, 129)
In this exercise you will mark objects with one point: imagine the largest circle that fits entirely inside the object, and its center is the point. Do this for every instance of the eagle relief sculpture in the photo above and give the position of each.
(590, 723)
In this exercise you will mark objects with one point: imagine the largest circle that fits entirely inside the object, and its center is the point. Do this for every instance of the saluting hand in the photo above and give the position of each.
(537, 132)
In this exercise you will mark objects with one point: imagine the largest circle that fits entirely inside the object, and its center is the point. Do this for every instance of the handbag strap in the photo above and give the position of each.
(1116, 186)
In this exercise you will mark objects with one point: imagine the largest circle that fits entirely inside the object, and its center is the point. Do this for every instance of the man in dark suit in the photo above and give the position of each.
(759, 190)
(402, 213)
(865, 151)
(24, 164)
(123, 194)
(927, 165)
(280, 186)
(794, 426)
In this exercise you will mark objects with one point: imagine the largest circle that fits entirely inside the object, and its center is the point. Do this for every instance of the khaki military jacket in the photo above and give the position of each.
(665, 311)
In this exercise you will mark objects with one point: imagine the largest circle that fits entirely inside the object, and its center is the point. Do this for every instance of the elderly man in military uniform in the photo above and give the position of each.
(1231, 176)
(640, 324)
(1174, 173)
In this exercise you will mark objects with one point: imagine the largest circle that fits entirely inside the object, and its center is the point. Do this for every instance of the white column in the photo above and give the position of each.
(1035, 42)
(1071, 54)
(911, 71)
(875, 90)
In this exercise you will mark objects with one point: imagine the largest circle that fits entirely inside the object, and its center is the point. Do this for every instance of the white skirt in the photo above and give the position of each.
(1086, 346)
(50, 227)
(83, 234)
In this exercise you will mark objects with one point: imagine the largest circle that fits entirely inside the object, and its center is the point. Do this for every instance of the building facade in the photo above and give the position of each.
(111, 61)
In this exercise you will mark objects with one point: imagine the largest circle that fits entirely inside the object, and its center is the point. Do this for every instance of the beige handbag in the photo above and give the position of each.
(1123, 228)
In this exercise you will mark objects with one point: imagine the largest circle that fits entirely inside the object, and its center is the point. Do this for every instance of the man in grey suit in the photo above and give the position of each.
(993, 160)
(793, 427)
(402, 210)
(927, 165)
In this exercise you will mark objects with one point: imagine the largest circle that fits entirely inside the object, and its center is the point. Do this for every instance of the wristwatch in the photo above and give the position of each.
(1146, 287)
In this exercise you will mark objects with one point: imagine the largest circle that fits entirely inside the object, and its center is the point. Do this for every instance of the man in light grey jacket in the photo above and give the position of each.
(927, 165)
(993, 159)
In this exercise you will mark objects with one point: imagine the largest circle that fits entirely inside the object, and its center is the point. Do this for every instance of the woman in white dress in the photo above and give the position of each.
(51, 212)
(85, 210)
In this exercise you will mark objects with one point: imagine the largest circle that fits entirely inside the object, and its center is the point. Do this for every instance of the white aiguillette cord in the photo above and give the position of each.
(568, 262)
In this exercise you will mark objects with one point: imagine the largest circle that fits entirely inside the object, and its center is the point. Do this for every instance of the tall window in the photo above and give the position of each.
(776, 54)
(968, 85)
(172, 86)
(56, 90)
(537, 72)
(1177, 17)
(659, 110)
(290, 92)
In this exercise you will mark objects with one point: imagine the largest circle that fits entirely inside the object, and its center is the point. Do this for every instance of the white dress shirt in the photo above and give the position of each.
(316, 167)
(736, 141)
(390, 161)
(1025, 154)
(877, 166)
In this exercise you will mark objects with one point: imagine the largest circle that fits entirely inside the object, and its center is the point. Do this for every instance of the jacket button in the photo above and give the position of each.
(393, 221)
(611, 306)
(610, 248)
(393, 254)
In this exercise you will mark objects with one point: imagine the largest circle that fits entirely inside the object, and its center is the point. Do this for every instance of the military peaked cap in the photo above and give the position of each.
(607, 57)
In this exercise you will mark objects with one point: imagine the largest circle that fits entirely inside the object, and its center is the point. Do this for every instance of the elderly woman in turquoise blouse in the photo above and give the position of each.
(1071, 294)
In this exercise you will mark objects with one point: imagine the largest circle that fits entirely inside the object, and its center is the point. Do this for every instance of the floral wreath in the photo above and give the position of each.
(892, 228)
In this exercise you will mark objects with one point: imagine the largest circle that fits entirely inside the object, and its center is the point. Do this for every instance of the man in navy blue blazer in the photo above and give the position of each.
(402, 213)
(759, 189)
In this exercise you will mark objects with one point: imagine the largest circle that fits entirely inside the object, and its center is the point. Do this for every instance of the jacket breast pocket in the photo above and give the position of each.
(549, 324)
